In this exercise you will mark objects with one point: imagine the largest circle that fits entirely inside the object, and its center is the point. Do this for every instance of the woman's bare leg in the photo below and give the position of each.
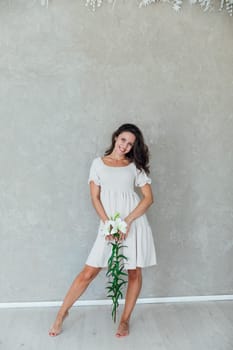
(77, 288)
(133, 291)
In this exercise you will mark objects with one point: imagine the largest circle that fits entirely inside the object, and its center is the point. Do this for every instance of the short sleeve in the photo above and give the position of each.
(93, 174)
(142, 178)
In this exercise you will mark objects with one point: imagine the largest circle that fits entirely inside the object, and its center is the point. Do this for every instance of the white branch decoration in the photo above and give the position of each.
(44, 3)
(146, 2)
(176, 4)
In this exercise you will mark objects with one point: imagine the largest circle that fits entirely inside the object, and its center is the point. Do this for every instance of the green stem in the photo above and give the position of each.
(115, 273)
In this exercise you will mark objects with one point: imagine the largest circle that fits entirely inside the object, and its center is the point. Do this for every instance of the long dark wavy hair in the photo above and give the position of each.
(139, 153)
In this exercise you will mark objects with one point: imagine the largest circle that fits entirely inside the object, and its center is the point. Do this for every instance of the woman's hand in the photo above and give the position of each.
(128, 228)
(122, 236)
(109, 237)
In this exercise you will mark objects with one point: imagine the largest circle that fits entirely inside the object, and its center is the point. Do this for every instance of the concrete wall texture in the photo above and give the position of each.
(68, 79)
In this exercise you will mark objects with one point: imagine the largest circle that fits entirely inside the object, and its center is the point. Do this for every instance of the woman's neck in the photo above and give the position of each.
(116, 157)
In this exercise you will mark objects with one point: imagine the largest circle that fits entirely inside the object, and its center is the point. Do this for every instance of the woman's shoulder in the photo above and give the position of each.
(96, 161)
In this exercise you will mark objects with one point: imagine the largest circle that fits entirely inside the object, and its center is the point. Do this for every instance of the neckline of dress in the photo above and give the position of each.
(109, 166)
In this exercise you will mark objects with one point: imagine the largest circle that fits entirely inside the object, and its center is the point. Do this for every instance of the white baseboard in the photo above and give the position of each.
(183, 299)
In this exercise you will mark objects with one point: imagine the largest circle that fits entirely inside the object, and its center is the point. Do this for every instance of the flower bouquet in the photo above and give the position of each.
(114, 228)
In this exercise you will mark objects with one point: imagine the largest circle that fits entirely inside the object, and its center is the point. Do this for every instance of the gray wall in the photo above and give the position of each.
(68, 78)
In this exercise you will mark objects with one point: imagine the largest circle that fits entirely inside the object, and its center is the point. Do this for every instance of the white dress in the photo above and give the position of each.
(118, 196)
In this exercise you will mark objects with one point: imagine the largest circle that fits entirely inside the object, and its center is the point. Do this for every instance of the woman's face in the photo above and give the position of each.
(124, 143)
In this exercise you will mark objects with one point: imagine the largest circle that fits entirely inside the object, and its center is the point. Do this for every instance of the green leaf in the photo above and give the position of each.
(116, 216)
(124, 274)
(121, 256)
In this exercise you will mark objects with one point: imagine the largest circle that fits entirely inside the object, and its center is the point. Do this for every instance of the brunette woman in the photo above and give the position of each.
(112, 179)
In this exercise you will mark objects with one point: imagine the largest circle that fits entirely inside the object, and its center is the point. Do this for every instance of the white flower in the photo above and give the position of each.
(107, 227)
(121, 225)
(112, 227)
(176, 7)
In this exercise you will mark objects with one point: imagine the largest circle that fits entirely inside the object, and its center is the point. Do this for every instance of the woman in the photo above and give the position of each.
(112, 179)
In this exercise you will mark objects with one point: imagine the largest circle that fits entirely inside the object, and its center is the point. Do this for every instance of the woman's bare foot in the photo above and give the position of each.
(57, 326)
(123, 329)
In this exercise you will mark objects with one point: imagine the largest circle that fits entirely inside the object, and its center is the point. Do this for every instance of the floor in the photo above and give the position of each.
(171, 326)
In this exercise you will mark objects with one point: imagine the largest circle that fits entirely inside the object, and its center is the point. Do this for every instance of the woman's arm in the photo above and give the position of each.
(143, 205)
(95, 198)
